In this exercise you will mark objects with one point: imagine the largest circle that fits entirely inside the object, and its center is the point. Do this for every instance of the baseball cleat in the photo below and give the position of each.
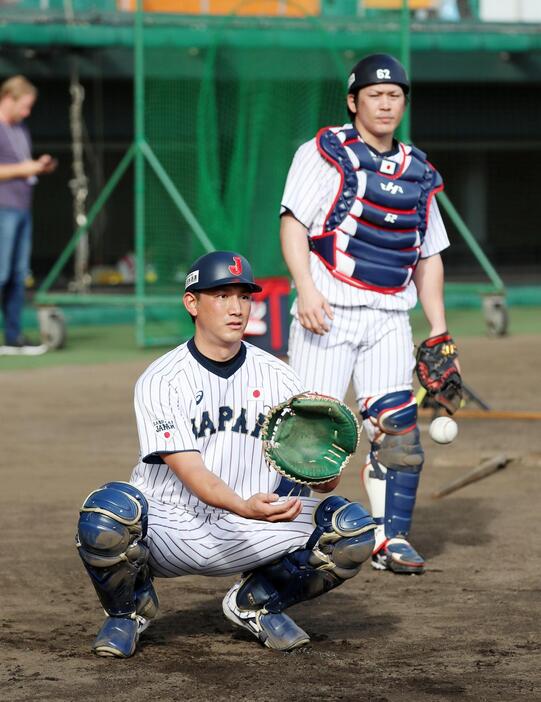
(398, 556)
(273, 629)
(118, 636)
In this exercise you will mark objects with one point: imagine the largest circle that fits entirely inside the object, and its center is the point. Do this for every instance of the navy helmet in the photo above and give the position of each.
(218, 268)
(378, 68)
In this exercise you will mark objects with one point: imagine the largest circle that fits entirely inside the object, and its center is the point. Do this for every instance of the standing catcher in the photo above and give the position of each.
(202, 498)
(361, 234)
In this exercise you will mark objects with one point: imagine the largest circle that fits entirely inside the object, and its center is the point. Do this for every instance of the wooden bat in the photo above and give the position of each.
(518, 415)
(484, 469)
(467, 413)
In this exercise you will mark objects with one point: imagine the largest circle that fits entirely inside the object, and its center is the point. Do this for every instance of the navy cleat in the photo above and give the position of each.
(118, 636)
(398, 556)
(273, 629)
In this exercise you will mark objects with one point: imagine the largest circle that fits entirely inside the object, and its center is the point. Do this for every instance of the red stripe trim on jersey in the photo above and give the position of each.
(336, 165)
(385, 209)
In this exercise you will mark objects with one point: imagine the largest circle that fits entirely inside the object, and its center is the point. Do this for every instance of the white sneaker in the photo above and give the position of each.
(23, 347)
(273, 629)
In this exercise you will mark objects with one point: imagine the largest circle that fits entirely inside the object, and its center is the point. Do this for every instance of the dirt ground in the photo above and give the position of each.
(469, 629)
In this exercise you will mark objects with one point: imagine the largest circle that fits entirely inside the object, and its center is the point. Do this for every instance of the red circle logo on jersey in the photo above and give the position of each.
(256, 393)
(167, 434)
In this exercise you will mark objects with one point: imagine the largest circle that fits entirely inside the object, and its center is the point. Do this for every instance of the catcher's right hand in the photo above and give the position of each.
(438, 372)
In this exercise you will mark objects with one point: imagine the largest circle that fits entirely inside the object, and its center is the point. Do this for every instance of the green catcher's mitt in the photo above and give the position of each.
(310, 438)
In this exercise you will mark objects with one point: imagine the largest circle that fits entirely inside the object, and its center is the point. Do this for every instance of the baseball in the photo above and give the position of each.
(443, 430)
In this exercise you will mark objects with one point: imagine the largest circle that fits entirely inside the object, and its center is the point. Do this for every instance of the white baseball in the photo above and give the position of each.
(443, 430)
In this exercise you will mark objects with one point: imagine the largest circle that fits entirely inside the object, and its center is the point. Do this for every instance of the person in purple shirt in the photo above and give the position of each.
(18, 175)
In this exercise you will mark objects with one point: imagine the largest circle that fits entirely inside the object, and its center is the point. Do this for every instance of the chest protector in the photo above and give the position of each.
(373, 233)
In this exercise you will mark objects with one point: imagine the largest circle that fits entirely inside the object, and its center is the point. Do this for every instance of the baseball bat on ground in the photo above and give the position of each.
(519, 415)
(484, 469)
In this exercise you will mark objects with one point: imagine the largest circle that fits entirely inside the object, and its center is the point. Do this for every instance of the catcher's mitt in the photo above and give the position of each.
(310, 438)
(437, 371)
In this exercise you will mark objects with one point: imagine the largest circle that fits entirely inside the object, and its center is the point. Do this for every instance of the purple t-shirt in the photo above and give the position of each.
(15, 146)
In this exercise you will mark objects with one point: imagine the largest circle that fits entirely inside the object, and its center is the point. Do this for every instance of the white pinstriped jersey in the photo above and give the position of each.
(311, 186)
(182, 403)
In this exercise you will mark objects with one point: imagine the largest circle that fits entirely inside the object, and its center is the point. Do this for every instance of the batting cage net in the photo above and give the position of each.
(225, 135)
(218, 115)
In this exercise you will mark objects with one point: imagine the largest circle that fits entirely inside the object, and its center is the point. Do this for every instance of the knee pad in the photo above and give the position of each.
(342, 540)
(393, 413)
(343, 537)
(111, 528)
(401, 451)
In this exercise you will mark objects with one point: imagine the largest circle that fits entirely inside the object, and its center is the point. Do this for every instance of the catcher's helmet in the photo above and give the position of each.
(378, 68)
(220, 268)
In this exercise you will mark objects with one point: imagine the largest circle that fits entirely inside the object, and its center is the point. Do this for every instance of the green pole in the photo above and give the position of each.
(94, 210)
(405, 59)
(139, 184)
(177, 198)
(472, 242)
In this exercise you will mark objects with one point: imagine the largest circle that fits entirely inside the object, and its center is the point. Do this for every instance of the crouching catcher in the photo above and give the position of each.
(203, 500)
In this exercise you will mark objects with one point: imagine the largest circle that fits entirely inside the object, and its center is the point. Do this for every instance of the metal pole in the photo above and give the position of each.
(94, 211)
(177, 198)
(139, 184)
(405, 58)
(472, 242)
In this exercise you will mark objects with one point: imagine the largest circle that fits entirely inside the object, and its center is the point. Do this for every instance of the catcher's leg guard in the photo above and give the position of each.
(391, 477)
(110, 539)
(342, 540)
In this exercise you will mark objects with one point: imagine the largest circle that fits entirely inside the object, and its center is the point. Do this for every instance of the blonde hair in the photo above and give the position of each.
(16, 87)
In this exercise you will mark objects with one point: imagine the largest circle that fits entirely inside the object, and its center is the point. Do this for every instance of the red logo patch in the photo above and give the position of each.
(256, 393)
(236, 268)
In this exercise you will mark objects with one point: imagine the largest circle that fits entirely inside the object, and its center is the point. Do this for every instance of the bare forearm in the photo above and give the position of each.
(9, 171)
(212, 490)
(207, 486)
(30, 167)
(313, 309)
(295, 249)
(428, 279)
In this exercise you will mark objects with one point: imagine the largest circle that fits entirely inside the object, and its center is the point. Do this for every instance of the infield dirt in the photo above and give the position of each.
(469, 629)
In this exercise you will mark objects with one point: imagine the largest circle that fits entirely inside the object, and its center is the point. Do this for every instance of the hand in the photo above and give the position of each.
(312, 307)
(265, 507)
(48, 163)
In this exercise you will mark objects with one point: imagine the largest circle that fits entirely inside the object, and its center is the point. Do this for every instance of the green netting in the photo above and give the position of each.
(226, 136)
(217, 125)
